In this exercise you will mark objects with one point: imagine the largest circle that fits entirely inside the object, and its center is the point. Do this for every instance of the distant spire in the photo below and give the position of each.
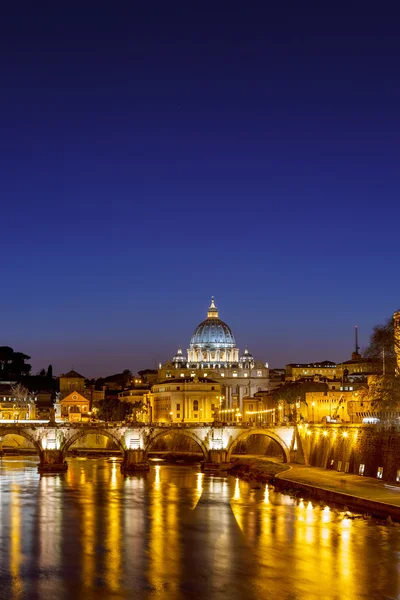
(356, 355)
(213, 310)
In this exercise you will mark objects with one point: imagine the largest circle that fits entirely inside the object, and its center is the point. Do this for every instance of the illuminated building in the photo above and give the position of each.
(326, 368)
(13, 409)
(74, 382)
(396, 325)
(74, 407)
(185, 399)
(213, 354)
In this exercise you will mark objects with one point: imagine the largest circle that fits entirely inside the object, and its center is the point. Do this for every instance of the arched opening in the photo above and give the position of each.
(93, 442)
(176, 446)
(17, 442)
(259, 444)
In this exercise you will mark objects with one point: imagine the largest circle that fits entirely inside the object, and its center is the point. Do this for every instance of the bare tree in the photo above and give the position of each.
(21, 398)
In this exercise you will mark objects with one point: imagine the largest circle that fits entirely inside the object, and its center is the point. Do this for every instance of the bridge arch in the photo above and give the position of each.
(258, 431)
(171, 430)
(88, 430)
(21, 431)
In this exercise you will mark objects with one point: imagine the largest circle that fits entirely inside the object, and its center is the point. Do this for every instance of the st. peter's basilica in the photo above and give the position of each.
(213, 354)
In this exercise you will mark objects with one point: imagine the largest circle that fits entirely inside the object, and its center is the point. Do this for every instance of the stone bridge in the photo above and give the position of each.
(216, 441)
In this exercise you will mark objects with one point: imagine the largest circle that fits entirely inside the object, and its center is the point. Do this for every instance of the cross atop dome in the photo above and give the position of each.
(213, 310)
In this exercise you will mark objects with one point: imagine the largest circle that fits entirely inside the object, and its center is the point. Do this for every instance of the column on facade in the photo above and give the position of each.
(226, 396)
(240, 399)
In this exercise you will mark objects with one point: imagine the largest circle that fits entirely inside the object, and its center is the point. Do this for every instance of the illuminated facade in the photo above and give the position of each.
(15, 409)
(74, 382)
(213, 354)
(396, 324)
(184, 400)
(326, 368)
(74, 407)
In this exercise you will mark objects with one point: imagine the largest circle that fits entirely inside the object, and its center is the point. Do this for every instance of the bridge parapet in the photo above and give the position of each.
(216, 440)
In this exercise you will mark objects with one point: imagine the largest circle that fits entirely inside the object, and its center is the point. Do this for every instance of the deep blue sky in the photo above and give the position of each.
(156, 153)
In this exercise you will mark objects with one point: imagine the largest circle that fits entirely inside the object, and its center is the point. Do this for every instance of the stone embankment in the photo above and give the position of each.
(360, 494)
(365, 495)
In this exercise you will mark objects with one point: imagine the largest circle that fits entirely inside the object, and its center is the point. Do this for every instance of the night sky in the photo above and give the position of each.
(156, 153)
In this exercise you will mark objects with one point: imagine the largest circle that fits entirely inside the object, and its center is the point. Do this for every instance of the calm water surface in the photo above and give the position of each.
(175, 533)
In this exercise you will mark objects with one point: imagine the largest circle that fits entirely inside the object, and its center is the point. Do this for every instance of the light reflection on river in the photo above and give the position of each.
(177, 533)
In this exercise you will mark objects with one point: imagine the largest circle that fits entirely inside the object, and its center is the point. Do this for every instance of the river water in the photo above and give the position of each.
(176, 533)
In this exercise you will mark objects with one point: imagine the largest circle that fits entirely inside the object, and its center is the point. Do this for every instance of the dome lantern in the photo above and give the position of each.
(213, 310)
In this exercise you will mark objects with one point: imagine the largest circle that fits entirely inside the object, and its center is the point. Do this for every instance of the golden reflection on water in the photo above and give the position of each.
(164, 534)
(15, 549)
(51, 536)
(93, 533)
(157, 480)
(200, 477)
(113, 539)
(88, 507)
(237, 489)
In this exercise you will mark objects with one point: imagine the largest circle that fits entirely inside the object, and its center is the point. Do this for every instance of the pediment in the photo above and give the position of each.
(74, 397)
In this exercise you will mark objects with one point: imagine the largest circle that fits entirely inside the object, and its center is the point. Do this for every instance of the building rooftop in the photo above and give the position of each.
(324, 364)
(357, 361)
(72, 375)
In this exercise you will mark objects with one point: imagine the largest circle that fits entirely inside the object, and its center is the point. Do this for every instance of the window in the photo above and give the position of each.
(178, 387)
(178, 407)
(178, 415)
(334, 387)
(195, 405)
(259, 373)
(379, 472)
(362, 468)
(250, 407)
(213, 388)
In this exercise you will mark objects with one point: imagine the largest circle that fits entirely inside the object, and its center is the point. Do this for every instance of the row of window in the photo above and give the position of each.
(361, 469)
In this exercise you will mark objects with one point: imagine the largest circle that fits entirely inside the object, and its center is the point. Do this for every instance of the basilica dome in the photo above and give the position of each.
(212, 332)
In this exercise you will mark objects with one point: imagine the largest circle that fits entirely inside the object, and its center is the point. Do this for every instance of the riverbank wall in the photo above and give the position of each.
(353, 503)
(368, 450)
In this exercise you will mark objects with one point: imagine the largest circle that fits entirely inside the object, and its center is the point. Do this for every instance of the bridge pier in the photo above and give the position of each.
(52, 461)
(217, 461)
(134, 460)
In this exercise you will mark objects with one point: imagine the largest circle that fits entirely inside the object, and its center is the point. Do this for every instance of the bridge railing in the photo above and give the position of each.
(114, 424)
